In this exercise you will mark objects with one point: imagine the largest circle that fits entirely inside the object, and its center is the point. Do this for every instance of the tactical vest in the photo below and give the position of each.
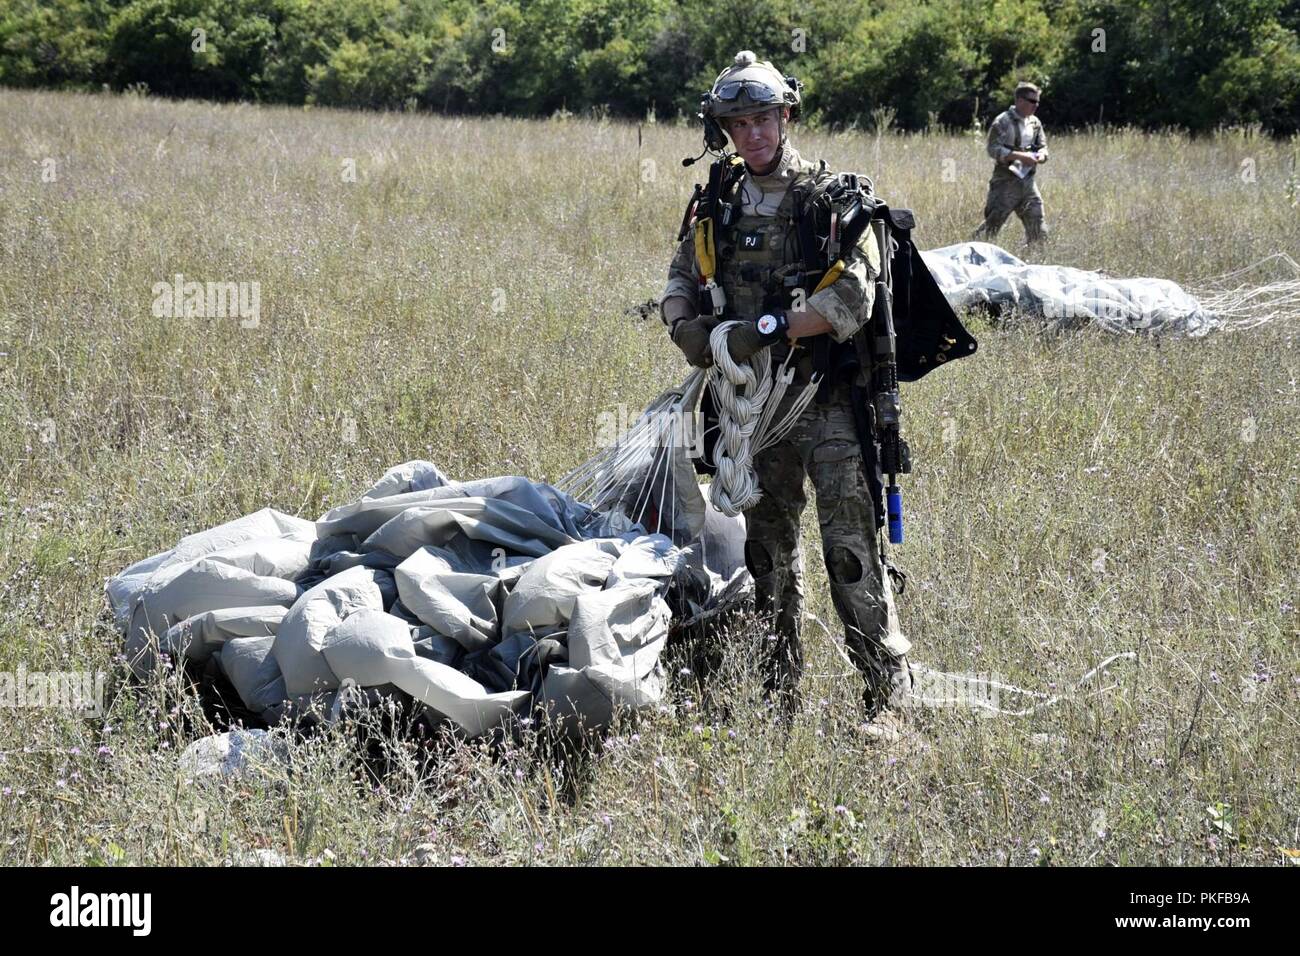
(755, 254)
(1025, 128)
(761, 264)
(761, 261)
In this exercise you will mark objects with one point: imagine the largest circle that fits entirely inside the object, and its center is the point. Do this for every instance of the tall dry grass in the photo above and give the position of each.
(1075, 495)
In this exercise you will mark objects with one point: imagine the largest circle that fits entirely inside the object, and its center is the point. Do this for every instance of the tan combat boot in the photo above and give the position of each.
(888, 727)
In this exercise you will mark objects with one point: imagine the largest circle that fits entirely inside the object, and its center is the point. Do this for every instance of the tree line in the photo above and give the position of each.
(1192, 64)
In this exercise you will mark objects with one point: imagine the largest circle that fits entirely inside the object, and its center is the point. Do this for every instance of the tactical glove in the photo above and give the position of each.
(692, 337)
(746, 341)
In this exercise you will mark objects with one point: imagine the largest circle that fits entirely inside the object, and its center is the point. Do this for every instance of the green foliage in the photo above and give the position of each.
(1150, 63)
(60, 44)
(914, 58)
(370, 53)
(204, 48)
(1182, 63)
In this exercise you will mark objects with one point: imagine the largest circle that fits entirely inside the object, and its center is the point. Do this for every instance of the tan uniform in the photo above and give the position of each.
(1009, 193)
(823, 446)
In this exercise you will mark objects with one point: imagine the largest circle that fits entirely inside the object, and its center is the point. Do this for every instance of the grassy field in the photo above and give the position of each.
(462, 300)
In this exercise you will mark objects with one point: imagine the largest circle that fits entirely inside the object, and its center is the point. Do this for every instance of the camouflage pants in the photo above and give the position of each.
(1006, 196)
(823, 445)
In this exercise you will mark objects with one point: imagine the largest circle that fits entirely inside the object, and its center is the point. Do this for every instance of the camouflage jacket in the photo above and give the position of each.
(845, 304)
(1012, 132)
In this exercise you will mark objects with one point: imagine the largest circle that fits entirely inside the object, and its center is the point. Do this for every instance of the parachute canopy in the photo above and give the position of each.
(479, 599)
(973, 274)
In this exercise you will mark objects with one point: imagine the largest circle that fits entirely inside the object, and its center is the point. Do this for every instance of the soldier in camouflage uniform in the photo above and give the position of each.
(753, 102)
(1017, 145)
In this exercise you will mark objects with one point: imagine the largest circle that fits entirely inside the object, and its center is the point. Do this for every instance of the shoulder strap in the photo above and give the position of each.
(710, 201)
(709, 212)
(688, 217)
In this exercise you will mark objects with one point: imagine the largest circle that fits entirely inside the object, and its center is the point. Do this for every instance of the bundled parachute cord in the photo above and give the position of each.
(633, 453)
(743, 393)
(1238, 306)
(740, 392)
(747, 396)
(625, 476)
(974, 691)
(980, 692)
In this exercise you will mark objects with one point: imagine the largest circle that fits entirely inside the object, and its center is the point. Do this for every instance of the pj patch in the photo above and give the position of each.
(751, 241)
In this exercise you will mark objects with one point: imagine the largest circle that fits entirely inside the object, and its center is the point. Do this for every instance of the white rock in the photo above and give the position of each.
(236, 753)
(263, 856)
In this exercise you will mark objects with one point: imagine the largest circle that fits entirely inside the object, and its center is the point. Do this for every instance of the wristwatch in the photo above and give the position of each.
(772, 326)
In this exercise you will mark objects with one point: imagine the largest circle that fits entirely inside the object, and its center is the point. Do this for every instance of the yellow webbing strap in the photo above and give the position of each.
(704, 251)
(831, 275)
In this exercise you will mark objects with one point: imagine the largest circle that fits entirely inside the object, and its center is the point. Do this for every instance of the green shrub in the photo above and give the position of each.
(1149, 63)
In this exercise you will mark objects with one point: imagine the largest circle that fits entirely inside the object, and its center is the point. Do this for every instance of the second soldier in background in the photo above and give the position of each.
(1017, 146)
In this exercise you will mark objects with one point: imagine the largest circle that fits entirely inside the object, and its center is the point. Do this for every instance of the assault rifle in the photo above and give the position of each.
(892, 454)
(877, 410)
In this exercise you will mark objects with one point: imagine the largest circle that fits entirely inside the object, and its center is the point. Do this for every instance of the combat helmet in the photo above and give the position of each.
(749, 85)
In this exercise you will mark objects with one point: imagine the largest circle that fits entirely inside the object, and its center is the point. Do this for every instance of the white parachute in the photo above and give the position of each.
(978, 274)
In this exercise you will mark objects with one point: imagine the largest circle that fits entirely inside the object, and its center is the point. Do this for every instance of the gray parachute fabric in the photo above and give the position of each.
(981, 274)
(480, 600)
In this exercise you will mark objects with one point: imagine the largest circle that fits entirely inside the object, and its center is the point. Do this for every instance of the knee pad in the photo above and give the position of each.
(843, 565)
(758, 559)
